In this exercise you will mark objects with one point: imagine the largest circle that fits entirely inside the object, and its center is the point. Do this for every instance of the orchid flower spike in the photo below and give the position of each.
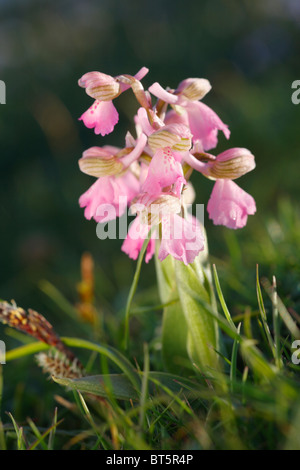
(151, 174)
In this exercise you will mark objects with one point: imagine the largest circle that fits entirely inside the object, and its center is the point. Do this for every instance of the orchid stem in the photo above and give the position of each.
(134, 287)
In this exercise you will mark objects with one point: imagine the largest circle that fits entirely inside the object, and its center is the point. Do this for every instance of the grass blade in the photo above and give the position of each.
(144, 391)
(221, 298)
(233, 365)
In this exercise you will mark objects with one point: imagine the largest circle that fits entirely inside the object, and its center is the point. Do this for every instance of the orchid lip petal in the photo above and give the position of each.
(230, 205)
(102, 116)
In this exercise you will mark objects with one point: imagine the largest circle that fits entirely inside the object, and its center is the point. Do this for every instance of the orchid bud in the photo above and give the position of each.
(193, 89)
(230, 164)
(99, 162)
(100, 86)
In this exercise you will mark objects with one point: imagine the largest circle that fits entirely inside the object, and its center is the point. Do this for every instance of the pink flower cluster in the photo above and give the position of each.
(151, 173)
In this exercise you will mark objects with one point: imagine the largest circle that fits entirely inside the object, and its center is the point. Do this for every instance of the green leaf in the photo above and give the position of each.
(203, 338)
(165, 278)
(174, 339)
(120, 386)
(115, 356)
(174, 326)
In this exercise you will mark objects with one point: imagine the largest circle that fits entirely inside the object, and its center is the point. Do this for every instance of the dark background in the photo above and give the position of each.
(249, 51)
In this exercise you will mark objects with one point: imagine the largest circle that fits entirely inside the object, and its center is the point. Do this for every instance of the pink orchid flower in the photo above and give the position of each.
(102, 116)
(109, 196)
(136, 236)
(230, 205)
(231, 164)
(204, 123)
(164, 172)
(172, 117)
(114, 189)
(142, 122)
(182, 238)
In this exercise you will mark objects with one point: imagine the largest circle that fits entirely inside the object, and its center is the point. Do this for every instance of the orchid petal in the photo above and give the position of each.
(102, 116)
(162, 94)
(230, 205)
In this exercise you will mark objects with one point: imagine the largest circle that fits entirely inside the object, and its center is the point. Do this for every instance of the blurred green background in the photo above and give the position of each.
(249, 50)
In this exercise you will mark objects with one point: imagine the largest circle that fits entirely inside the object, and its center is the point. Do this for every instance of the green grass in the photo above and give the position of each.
(130, 401)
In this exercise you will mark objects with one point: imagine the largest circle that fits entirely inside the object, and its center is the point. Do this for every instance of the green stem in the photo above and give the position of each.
(133, 289)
